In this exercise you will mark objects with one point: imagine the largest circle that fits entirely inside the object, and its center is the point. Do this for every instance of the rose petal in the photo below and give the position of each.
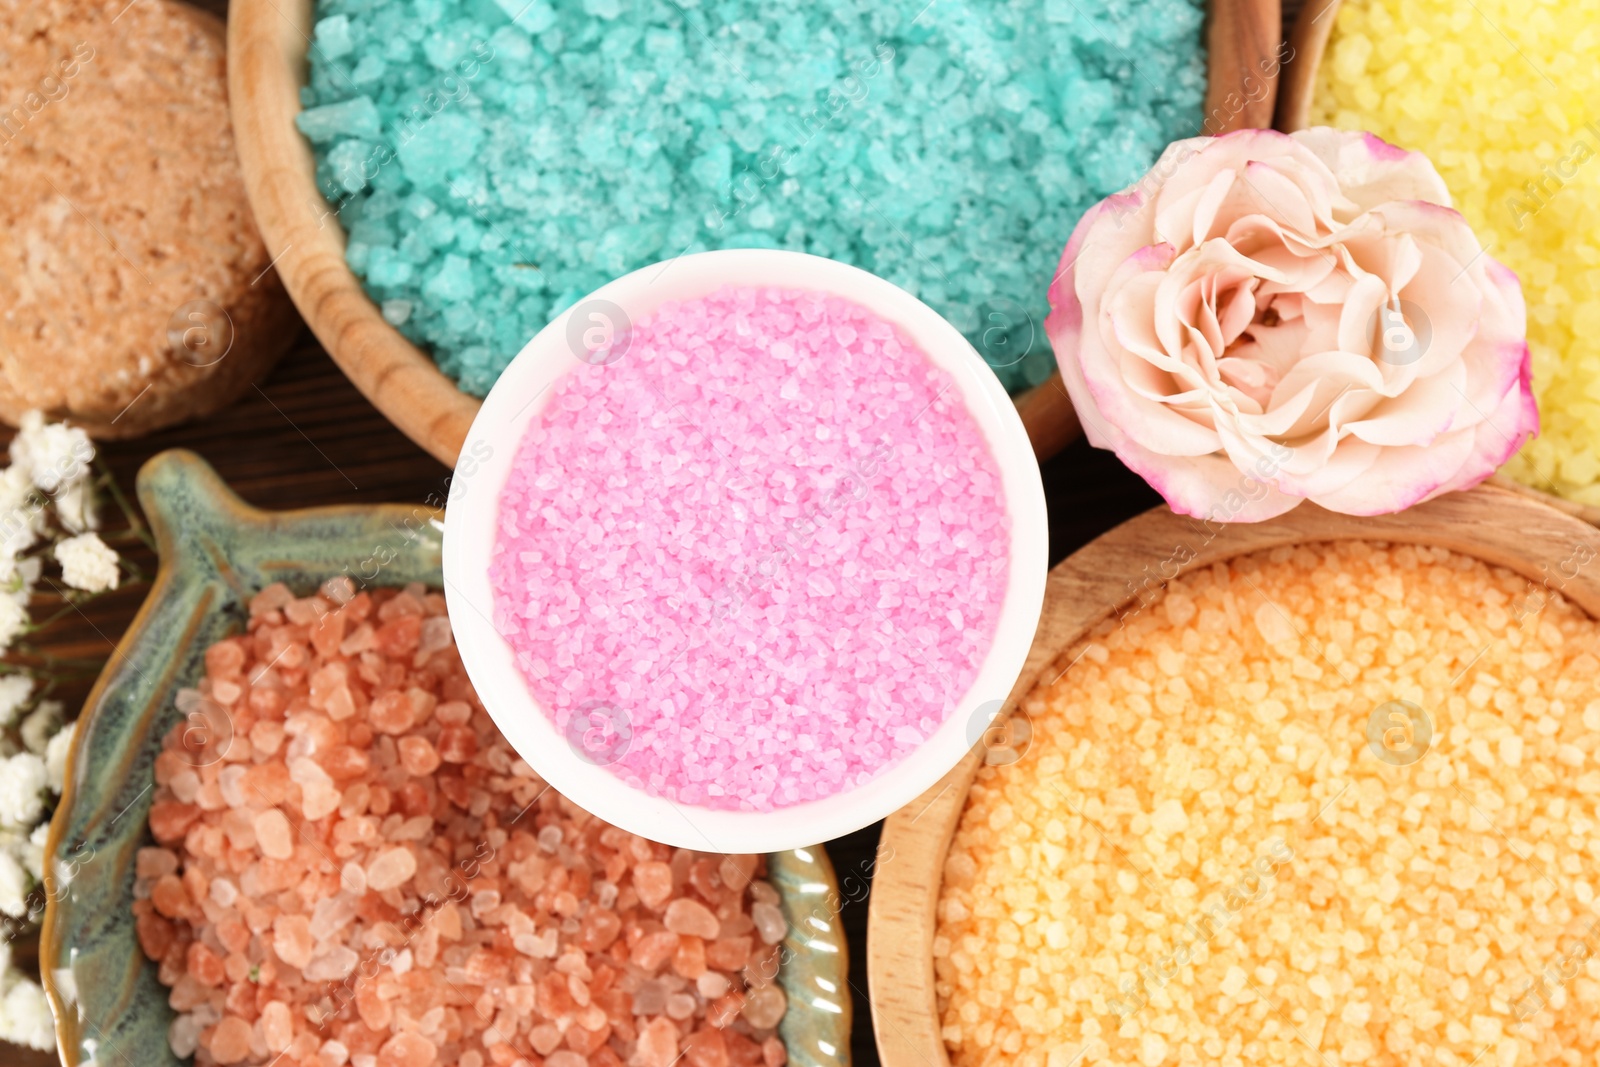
(1208, 487)
(1429, 408)
(1371, 171)
(1238, 299)
(1507, 428)
(1073, 345)
(1103, 379)
(1324, 465)
(1495, 358)
(1402, 476)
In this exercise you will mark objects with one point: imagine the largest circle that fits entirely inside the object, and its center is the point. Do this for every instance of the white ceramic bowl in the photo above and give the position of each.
(486, 462)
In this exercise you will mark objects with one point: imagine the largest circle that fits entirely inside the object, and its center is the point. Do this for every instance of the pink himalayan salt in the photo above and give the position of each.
(755, 557)
(407, 1050)
(273, 834)
(292, 940)
(556, 946)
(658, 1043)
(230, 1041)
(685, 916)
(391, 868)
(654, 883)
(277, 1028)
(769, 920)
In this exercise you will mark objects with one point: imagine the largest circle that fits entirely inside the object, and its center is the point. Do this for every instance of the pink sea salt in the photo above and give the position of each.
(753, 552)
(467, 916)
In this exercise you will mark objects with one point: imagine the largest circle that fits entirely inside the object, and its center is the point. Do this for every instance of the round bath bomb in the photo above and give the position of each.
(137, 290)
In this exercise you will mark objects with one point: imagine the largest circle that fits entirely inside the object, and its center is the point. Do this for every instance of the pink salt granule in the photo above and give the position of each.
(753, 552)
(352, 868)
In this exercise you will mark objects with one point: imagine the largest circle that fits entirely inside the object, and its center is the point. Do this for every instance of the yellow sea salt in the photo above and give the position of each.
(1388, 860)
(1504, 96)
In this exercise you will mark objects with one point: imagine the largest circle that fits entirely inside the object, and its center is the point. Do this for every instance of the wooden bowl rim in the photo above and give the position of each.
(1308, 40)
(267, 48)
(1500, 526)
(267, 43)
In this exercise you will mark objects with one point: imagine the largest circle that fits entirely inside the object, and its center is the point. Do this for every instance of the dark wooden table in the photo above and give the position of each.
(304, 436)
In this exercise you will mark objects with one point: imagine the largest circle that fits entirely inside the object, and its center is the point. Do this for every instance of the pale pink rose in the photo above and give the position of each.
(1269, 318)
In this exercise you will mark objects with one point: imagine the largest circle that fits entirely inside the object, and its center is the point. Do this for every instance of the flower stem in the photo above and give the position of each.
(135, 523)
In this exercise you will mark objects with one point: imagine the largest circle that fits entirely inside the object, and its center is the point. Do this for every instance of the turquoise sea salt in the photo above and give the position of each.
(492, 161)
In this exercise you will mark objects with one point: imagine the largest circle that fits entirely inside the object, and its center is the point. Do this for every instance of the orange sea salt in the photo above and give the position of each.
(1203, 859)
(353, 867)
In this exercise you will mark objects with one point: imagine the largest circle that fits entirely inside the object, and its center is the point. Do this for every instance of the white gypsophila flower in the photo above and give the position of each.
(31, 852)
(15, 689)
(22, 785)
(13, 885)
(75, 506)
(16, 488)
(13, 618)
(25, 578)
(87, 563)
(41, 725)
(25, 1017)
(55, 455)
(55, 757)
(21, 515)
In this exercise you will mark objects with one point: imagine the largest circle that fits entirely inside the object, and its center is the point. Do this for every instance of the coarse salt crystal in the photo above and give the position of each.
(390, 868)
(501, 875)
(1169, 818)
(273, 834)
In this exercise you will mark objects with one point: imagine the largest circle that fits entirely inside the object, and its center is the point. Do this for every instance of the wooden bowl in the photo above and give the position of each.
(216, 552)
(267, 42)
(1309, 41)
(1490, 523)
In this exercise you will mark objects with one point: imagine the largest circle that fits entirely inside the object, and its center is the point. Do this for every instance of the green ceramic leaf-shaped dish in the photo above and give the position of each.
(216, 552)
